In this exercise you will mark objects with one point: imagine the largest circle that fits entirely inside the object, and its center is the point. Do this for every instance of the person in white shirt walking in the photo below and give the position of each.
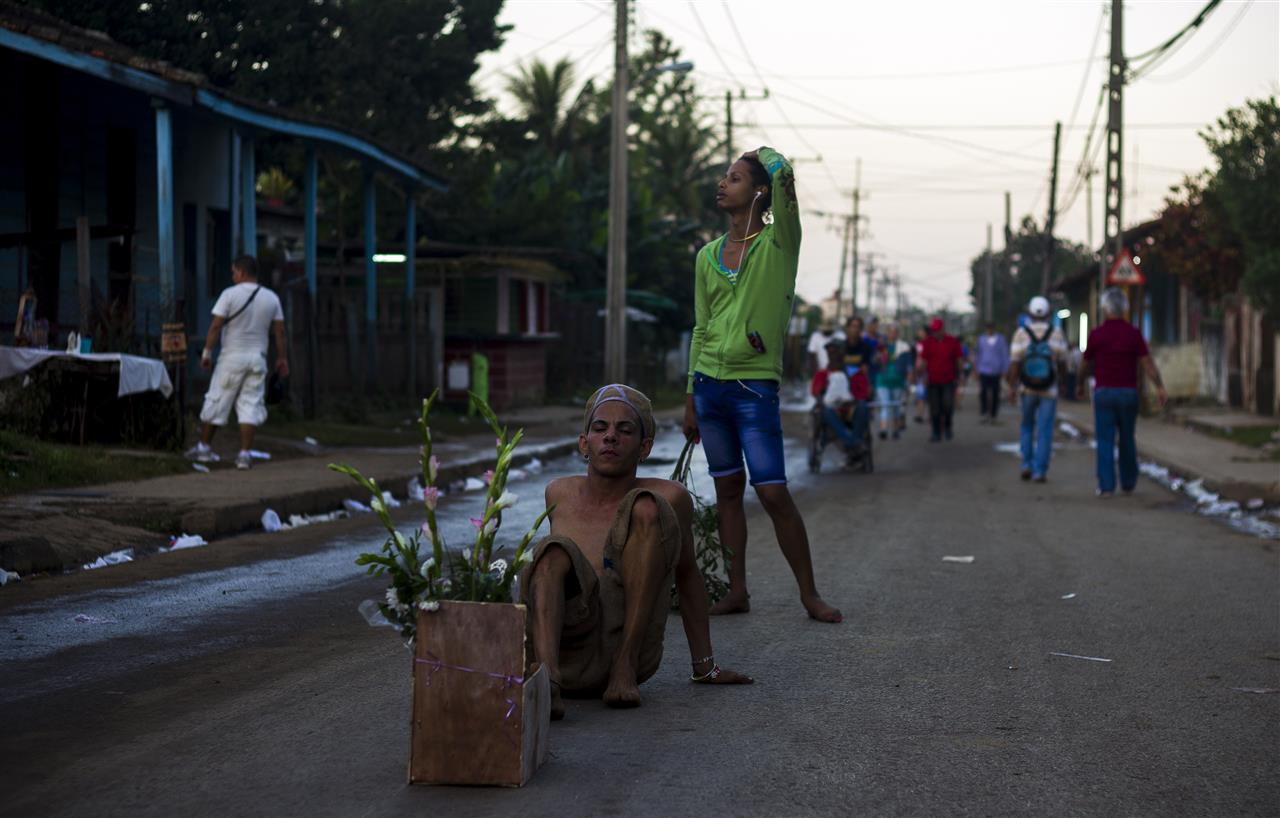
(818, 342)
(242, 317)
(1038, 352)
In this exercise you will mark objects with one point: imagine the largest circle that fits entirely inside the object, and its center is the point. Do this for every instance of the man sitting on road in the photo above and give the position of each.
(597, 588)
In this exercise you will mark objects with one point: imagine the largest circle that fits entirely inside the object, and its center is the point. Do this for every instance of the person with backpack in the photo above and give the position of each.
(1039, 350)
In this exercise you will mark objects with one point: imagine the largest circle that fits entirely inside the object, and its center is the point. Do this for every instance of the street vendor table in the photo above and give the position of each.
(137, 374)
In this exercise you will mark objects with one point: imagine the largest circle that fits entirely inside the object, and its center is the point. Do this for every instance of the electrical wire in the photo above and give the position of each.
(499, 69)
(1208, 52)
(1154, 55)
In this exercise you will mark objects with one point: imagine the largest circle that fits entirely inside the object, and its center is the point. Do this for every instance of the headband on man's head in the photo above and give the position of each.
(633, 398)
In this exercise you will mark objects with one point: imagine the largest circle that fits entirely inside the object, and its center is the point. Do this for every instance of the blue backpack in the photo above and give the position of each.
(1038, 370)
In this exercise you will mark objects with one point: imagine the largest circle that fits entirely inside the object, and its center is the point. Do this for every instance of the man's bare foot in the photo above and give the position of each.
(622, 690)
(557, 702)
(732, 604)
(820, 610)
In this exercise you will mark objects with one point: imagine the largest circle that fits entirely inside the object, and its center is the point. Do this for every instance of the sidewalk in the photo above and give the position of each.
(63, 529)
(57, 530)
(1237, 472)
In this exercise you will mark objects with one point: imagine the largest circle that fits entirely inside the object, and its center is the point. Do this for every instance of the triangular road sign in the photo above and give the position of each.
(1124, 272)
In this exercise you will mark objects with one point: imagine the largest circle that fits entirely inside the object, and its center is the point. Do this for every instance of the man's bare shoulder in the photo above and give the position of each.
(671, 491)
(561, 488)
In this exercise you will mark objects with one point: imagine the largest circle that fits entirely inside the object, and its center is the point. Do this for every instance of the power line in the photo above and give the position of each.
(1208, 52)
(1154, 55)
(1018, 126)
(1004, 69)
(599, 13)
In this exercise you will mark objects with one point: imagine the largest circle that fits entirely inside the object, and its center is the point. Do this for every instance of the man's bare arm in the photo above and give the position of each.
(211, 340)
(1153, 372)
(693, 599)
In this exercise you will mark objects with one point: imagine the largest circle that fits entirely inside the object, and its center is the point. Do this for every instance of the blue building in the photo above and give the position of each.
(152, 171)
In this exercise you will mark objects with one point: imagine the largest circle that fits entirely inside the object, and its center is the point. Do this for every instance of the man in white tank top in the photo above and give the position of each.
(242, 316)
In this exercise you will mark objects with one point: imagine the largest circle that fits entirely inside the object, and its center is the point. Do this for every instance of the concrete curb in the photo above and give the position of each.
(29, 552)
(1239, 490)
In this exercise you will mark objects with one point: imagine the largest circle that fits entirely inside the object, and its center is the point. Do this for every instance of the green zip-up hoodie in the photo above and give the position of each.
(761, 300)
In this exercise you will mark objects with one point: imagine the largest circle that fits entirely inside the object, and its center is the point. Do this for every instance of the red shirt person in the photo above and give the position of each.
(1114, 354)
(940, 357)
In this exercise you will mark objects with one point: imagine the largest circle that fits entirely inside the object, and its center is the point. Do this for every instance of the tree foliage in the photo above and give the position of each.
(1019, 270)
(1194, 241)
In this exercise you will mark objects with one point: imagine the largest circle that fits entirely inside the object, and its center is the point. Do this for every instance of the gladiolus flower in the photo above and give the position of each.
(507, 500)
(491, 526)
(477, 522)
(433, 468)
(488, 476)
(431, 496)
(426, 567)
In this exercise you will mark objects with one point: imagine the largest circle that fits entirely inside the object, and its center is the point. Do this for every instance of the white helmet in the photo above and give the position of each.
(1039, 307)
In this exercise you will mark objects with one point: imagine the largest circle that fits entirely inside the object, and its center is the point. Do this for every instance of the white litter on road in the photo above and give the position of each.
(311, 441)
(1256, 689)
(299, 520)
(86, 619)
(257, 455)
(415, 491)
(1068, 596)
(373, 615)
(1070, 431)
(1078, 656)
(8, 576)
(184, 541)
(271, 521)
(966, 559)
(474, 484)
(390, 501)
(355, 506)
(533, 466)
(114, 558)
(200, 467)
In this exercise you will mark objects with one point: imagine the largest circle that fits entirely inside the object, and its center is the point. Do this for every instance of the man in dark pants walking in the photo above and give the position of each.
(991, 359)
(939, 362)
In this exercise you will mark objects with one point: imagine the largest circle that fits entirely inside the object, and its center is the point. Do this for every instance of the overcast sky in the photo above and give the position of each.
(970, 89)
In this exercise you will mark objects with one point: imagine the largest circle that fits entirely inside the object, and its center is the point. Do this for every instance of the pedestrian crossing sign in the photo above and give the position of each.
(1124, 272)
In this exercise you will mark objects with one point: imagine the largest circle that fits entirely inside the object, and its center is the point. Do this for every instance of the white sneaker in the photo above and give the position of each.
(244, 461)
(201, 453)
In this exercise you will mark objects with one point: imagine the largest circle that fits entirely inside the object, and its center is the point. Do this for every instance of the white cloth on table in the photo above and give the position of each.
(137, 374)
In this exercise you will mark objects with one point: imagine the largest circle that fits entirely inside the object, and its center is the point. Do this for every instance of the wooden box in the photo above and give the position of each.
(476, 719)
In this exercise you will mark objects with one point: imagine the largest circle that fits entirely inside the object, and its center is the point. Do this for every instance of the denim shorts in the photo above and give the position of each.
(737, 418)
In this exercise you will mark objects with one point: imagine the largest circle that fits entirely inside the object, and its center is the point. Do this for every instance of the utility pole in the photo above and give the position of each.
(1053, 213)
(615, 333)
(871, 280)
(850, 232)
(988, 282)
(1008, 228)
(728, 120)
(1113, 225)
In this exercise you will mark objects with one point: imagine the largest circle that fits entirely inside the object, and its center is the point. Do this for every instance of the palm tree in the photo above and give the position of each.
(548, 105)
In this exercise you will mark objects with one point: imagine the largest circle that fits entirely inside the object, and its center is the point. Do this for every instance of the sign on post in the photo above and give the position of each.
(1124, 273)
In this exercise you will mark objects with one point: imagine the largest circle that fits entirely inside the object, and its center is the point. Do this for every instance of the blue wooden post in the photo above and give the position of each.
(410, 285)
(248, 199)
(234, 188)
(164, 212)
(309, 267)
(370, 278)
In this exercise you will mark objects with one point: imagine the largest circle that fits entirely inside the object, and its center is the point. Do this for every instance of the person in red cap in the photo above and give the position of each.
(939, 363)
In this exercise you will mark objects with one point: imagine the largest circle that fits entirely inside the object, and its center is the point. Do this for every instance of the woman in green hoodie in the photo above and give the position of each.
(743, 289)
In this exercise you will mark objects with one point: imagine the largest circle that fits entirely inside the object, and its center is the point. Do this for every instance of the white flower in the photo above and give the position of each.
(377, 505)
(433, 468)
(498, 565)
(491, 526)
(401, 541)
(466, 555)
(427, 566)
(393, 599)
(428, 605)
(507, 500)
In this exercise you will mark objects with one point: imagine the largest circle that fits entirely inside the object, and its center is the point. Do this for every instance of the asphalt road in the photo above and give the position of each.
(238, 679)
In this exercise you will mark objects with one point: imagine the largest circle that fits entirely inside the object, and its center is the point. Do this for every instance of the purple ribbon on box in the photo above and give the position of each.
(508, 681)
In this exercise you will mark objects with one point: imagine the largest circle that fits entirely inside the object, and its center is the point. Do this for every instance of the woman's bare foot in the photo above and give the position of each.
(820, 610)
(622, 690)
(732, 604)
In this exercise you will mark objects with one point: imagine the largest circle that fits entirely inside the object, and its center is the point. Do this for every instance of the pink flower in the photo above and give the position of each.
(431, 495)
(488, 476)
(477, 522)
(425, 529)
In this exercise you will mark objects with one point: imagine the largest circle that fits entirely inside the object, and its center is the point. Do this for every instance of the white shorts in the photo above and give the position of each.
(240, 381)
